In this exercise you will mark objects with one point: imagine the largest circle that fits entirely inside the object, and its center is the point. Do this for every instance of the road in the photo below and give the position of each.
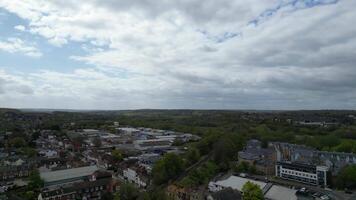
(333, 194)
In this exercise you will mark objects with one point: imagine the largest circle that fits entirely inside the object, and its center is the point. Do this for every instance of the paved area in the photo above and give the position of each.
(335, 195)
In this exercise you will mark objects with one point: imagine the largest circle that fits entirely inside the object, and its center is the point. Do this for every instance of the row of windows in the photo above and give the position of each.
(300, 179)
(71, 196)
(298, 173)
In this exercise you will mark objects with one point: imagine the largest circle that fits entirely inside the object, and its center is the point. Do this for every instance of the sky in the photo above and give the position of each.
(178, 54)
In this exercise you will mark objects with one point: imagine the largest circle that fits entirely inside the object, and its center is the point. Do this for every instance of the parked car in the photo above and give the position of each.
(325, 197)
(347, 191)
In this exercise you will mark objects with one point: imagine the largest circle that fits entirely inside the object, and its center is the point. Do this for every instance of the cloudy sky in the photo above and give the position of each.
(200, 54)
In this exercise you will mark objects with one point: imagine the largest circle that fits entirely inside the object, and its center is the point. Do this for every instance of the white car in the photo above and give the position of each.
(325, 197)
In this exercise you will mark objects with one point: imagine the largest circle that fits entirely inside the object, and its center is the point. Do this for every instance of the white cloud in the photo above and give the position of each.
(182, 54)
(17, 45)
(20, 27)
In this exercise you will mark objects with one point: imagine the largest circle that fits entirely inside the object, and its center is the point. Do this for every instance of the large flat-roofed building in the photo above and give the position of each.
(153, 144)
(60, 177)
(301, 172)
(270, 191)
(233, 182)
(94, 187)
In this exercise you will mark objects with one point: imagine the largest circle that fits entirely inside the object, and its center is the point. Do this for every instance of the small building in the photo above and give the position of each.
(136, 175)
(175, 192)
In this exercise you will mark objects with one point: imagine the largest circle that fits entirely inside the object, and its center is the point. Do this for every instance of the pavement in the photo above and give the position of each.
(335, 195)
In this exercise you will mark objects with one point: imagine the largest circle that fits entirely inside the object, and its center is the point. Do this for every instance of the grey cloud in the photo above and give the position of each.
(195, 10)
(13, 87)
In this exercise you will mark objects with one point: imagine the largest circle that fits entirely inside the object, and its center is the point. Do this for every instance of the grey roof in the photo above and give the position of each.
(237, 183)
(281, 193)
(68, 173)
(227, 194)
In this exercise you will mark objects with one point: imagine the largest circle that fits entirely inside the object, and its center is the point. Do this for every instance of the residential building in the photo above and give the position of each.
(12, 172)
(181, 193)
(262, 158)
(136, 175)
(335, 161)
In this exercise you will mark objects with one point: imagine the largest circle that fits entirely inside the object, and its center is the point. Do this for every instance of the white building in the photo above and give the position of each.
(153, 144)
(48, 153)
(234, 182)
(305, 173)
(270, 191)
(133, 177)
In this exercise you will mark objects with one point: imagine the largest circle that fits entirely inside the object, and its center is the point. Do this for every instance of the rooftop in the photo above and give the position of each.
(237, 183)
(53, 176)
(281, 193)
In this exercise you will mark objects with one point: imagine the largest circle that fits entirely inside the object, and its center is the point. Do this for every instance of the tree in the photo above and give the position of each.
(17, 142)
(128, 192)
(97, 142)
(35, 181)
(117, 155)
(346, 146)
(107, 196)
(252, 191)
(200, 176)
(30, 152)
(170, 166)
(242, 167)
(347, 178)
(155, 194)
(224, 150)
(193, 155)
(30, 195)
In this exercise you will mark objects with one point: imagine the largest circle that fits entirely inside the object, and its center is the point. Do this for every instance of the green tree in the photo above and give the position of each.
(128, 192)
(242, 167)
(193, 155)
(97, 142)
(35, 181)
(168, 167)
(117, 155)
(346, 146)
(155, 194)
(17, 142)
(30, 195)
(252, 191)
(30, 152)
(347, 178)
(107, 196)
(225, 149)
